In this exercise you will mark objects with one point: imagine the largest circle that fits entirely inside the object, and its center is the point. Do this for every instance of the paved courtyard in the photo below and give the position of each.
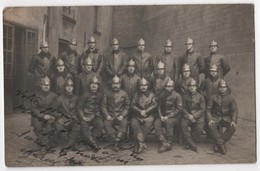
(19, 149)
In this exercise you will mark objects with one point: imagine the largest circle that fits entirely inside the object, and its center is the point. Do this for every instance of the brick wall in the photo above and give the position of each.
(232, 26)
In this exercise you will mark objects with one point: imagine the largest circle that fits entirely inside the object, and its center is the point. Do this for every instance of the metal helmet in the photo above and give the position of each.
(69, 82)
(222, 83)
(45, 80)
(92, 40)
(116, 79)
(44, 44)
(87, 61)
(192, 82)
(59, 62)
(73, 41)
(189, 41)
(185, 67)
(143, 81)
(160, 65)
(213, 43)
(170, 82)
(95, 80)
(213, 67)
(141, 42)
(114, 42)
(131, 62)
(168, 43)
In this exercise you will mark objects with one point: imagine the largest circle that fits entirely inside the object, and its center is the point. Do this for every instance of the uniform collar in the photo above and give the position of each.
(88, 51)
(42, 55)
(213, 53)
(214, 78)
(162, 77)
(70, 51)
(130, 74)
(115, 51)
(189, 53)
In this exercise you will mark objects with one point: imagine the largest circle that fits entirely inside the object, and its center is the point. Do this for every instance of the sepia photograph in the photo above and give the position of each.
(129, 85)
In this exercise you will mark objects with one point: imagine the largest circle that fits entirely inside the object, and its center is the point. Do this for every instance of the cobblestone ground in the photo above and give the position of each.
(19, 149)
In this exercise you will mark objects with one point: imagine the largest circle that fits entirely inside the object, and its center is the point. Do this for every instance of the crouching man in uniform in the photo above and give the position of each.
(144, 107)
(42, 117)
(193, 115)
(115, 107)
(67, 124)
(89, 113)
(222, 111)
(169, 110)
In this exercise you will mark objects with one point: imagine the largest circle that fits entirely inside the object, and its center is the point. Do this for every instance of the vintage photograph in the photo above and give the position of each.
(129, 85)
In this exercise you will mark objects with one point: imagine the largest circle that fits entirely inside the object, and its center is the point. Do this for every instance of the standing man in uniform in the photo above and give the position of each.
(59, 77)
(194, 109)
(170, 59)
(71, 57)
(89, 113)
(115, 61)
(115, 107)
(209, 86)
(42, 65)
(144, 61)
(193, 59)
(85, 76)
(42, 116)
(95, 55)
(222, 111)
(130, 79)
(159, 79)
(182, 83)
(218, 59)
(169, 114)
(144, 110)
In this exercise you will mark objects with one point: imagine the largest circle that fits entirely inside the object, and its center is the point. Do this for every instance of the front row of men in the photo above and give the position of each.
(143, 104)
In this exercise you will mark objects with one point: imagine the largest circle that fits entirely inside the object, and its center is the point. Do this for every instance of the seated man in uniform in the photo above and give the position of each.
(89, 113)
(42, 116)
(169, 113)
(115, 107)
(67, 124)
(222, 111)
(193, 115)
(144, 109)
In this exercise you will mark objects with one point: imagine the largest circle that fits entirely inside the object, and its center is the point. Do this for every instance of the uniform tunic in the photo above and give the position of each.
(41, 65)
(195, 61)
(144, 64)
(171, 61)
(219, 60)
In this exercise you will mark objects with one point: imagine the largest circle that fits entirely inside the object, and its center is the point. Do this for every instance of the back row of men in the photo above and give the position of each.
(144, 94)
(115, 62)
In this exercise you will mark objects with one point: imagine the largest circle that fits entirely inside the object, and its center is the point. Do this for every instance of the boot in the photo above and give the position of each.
(165, 146)
(215, 148)
(222, 149)
(169, 140)
(120, 136)
(92, 144)
(115, 146)
(191, 144)
(141, 146)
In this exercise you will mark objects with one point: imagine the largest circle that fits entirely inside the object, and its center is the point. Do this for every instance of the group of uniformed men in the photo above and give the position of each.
(91, 93)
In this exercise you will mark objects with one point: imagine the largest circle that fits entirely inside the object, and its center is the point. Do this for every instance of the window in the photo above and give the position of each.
(97, 23)
(69, 12)
(8, 49)
(63, 45)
